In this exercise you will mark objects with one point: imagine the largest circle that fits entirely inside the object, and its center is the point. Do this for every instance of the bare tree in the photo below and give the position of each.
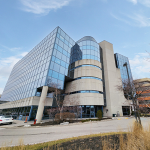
(58, 96)
(132, 91)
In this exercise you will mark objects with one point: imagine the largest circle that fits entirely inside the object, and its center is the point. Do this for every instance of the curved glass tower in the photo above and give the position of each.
(89, 48)
(86, 90)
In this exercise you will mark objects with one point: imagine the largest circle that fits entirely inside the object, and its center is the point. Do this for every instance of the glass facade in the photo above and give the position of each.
(31, 71)
(89, 47)
(60, 58)
(48, 60)
(124, 69)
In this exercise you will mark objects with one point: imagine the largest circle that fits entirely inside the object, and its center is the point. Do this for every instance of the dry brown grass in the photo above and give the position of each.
(136, 139)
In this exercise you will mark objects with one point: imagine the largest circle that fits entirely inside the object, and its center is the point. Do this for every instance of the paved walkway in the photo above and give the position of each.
(11, 135)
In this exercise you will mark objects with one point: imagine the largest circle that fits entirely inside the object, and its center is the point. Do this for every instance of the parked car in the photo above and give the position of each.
(6, 119)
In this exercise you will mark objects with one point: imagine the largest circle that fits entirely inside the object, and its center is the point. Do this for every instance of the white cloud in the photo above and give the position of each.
(1, 90)
(134, 19)
(6, 65)
(43, 6)
(143, 2)
(133, 1)
(140, 66)
(23, 54)
(12, 49)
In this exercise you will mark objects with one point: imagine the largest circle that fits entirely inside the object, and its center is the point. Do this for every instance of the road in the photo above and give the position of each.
(11, 135)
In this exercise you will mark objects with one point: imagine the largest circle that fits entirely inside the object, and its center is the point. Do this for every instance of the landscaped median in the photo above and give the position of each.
(135, 139)
(81, 142)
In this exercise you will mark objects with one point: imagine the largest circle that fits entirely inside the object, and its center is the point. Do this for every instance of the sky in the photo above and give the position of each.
(124, 23)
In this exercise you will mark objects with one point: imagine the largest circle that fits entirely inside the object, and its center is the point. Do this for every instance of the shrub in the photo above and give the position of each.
(99, 114)
(64, 116)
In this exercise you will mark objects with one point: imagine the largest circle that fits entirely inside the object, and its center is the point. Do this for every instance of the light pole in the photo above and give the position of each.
(125, 65)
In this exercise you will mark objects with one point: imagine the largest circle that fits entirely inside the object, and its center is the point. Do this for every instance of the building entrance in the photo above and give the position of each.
(126, 110)
(88, 111)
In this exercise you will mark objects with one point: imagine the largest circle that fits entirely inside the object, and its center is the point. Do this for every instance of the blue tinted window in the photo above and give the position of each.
(57, 60)
(68, 55)
(56, 67)
(53, 58)
(54, 52)
(84, 47)
(58, 55)
(60, 49)
(50, 73)
(61, 77)
(88, 47)
(62, 38)
(66, 72)
(55, 75)
(63, 63)
(54, 80)
(58, 35)
(61, 43)
(64, 52)
(92, 57)
(66, 42)
(84, 57)
(88, 56)
(67, 65)
(55, 46)
(60, 84)
(52, 64)
(62, 70)
(64, 57)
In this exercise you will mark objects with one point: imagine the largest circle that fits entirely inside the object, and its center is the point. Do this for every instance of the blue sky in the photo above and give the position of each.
(125, 23)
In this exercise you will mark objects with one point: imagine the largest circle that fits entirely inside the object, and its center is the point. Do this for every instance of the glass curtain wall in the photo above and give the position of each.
(89, 47)
(58, 68)
(120, 61)
(30, 72)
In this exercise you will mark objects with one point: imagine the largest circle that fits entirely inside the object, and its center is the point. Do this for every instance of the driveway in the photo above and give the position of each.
(11, 135)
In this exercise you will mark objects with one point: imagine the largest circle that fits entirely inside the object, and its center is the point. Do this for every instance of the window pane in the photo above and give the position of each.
(55, 75)
(57, 61)
(61, 77)
(56, 67)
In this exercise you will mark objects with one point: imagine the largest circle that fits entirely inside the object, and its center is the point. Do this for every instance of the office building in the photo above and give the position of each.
(85, 69)
(144, 100)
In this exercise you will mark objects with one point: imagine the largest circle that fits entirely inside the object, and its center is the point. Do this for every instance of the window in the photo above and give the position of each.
(58, 55)
(61, 77)
(57, 61)
(63, 64)
(55, 75)
(62, 70)
(56, 67)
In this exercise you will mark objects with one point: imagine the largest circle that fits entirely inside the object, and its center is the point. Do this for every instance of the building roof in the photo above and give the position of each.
(85, 38)
(143, 80)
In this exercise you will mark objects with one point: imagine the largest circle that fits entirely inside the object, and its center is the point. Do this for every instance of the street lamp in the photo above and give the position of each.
(125, 65)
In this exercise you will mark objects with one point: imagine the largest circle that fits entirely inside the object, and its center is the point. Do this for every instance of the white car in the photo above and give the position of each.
(6, 119)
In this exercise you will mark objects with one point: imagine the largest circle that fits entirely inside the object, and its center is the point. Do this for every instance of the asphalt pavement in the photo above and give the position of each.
(11, 135)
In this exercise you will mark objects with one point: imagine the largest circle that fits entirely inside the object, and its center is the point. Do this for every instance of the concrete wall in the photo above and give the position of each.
(84, 99)
(88, 71)
(114, 98)
(85, 84)
(87, 61)
(26, 102)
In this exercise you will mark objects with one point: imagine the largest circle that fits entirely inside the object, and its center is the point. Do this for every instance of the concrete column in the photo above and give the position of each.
(41, 104)
(114, 98)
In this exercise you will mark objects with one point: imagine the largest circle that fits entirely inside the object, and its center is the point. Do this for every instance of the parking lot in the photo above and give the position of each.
(12, 134)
